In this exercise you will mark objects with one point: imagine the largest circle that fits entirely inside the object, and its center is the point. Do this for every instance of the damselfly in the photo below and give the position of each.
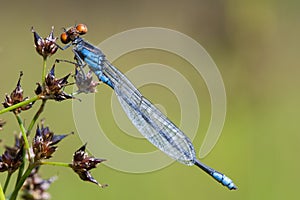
(151, 122)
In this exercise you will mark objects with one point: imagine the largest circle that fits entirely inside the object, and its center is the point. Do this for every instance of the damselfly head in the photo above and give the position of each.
(72, 33)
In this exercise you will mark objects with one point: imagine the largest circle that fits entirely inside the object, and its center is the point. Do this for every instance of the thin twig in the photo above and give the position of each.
(18, 105)
(36, 116)
(7, 181)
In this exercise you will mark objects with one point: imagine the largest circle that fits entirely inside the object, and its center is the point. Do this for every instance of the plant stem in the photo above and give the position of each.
(23, 103)
(61, 164)
(7, 181)
(21, 168)
(2, 197)
(23, 131)
(36, 116)
(44, 71)
(21, 182)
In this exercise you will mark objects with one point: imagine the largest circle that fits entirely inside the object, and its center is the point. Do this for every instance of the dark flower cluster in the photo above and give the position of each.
(84, 82)
(35, 187)
(53, 88)
(45, 47)
(16, 97)
(12, 157)
(44, 142)
(82, 163)
(27, 157)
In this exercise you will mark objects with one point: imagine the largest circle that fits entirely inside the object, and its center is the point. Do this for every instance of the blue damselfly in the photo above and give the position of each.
(151, 122)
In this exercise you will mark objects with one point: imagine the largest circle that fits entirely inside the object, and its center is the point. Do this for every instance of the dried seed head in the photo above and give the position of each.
(45, 47)
(44, 142)
(85, 82)
(12, 157)
(82, 163)
(35, 187)
(16, 97)
(54, 87)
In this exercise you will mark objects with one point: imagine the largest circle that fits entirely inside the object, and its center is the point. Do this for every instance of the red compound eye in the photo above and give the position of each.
(82, 29)
(64, 38)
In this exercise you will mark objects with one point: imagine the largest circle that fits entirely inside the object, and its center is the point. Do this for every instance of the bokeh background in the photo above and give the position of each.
(255, 46)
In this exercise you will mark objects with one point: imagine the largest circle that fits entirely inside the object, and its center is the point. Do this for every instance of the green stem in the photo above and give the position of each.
(23, 103)
(7, 181)
(44, 71)
(21, 168)
(23, 131)
(21, 182)
(61, 164)
(36, 116)
(2, 196)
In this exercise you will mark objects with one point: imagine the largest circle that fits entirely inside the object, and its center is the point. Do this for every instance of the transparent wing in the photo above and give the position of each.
(151, 122)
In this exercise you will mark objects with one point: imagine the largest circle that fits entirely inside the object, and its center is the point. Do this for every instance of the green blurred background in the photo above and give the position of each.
(254, 44)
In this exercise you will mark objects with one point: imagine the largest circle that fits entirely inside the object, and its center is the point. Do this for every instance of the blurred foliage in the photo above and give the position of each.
(255, 45)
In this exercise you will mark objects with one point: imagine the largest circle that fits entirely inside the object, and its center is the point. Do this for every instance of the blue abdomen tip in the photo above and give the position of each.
(224, 180)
